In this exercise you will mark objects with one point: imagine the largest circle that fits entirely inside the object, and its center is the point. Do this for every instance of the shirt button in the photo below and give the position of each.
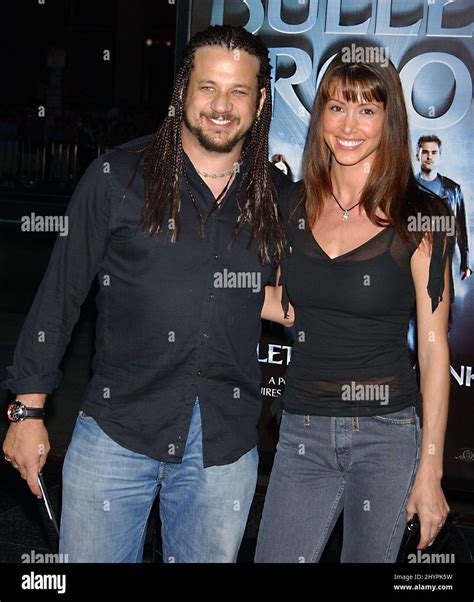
(211, 295)
(205, 335)
(199, 372)
(216, 256)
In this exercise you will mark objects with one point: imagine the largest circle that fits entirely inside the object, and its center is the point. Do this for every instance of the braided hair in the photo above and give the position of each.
(163, 161)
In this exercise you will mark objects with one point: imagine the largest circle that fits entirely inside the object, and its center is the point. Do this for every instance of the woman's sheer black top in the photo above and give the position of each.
(350, 355)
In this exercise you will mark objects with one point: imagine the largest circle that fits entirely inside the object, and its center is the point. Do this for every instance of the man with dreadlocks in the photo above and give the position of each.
(183, 231)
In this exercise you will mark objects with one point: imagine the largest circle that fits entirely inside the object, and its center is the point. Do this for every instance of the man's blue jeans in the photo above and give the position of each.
(108, 492)
(324, 464)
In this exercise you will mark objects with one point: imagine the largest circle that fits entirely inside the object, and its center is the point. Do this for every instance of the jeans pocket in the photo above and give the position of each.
(405, 416)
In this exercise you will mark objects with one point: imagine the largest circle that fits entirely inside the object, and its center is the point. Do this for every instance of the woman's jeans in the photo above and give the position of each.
(108, 492)
(323, 464)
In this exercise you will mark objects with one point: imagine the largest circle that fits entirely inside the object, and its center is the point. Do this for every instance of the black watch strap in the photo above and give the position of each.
(17, 411)
(34, 412)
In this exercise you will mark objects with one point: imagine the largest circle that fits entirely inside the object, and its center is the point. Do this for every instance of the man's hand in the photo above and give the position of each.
(465, 273)
(27, 446)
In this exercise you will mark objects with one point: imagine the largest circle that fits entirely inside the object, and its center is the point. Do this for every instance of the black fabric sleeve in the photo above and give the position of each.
(73, 264)
(442, 252)
(462, 229)
(443, 243)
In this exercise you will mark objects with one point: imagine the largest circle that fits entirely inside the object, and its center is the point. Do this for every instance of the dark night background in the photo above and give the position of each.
(87, 99)
(62, 104)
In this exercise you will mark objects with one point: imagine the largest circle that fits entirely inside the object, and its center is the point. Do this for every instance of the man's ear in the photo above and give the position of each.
(263, 96)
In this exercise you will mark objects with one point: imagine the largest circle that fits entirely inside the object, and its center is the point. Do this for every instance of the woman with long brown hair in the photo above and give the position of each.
(357, 433)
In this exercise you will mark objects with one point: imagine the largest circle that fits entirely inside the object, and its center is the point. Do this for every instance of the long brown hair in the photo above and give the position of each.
(163, 166)
(391, 183)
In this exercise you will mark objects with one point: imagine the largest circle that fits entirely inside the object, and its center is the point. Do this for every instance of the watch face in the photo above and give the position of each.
(16, 412)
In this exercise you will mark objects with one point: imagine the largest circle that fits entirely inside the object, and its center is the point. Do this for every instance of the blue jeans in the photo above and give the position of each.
(108, 492)
(324, 464)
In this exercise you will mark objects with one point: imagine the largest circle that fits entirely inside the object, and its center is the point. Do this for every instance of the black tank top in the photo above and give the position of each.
(350, 355)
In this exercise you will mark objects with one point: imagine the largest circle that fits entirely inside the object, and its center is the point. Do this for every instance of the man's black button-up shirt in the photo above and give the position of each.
(175, 321)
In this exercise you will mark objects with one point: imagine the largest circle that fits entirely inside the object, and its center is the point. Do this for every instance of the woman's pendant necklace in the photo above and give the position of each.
(345, 212)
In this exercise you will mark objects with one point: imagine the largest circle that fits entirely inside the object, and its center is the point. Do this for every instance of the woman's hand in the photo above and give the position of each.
(428, 501)
(272, 309)
(427, 498)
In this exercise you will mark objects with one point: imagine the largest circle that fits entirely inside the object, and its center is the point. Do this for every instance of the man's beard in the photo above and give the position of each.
(211, 144)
